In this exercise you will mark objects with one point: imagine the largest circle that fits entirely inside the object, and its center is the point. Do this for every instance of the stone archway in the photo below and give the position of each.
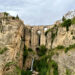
(39, 34)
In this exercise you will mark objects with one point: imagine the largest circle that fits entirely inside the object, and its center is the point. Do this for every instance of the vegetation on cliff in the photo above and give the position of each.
(25, 53)
(41, 50)
(45, 64)
(69, 48)
(67, 23)
(3, 50)
(53, 32)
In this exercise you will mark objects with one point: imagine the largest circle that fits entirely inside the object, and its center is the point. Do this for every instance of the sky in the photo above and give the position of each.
(37, 12)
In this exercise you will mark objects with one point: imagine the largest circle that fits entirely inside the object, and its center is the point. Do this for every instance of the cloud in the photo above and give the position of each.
(37, 12)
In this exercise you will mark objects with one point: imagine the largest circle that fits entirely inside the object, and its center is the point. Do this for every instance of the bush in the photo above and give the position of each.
(41, 66)
(6, 14)
(9, 64)
(70, 47)
(3, 50)
(68, 72)
(66, 50)
(73, 20)
(26, 72)
(17, 17)
(42, 50)
(73, 37)
(63, 18)
(60, 47)
(44, 65)
(67, 23)
(30, 49)
(55, 67)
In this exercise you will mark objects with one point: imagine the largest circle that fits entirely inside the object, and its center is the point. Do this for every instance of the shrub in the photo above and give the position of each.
(73, 37)
(6, 14)
(41, 66)
(42, 50)
(3, 50)
(73, 20)
(17, 17)
(70, 47)
(26, 72)
(68, 72)
(66, 50)
(67, 24)
(60, 47)
(44, 65)
(63, 18)
(55, 67)
(9, 63)
(30, 49)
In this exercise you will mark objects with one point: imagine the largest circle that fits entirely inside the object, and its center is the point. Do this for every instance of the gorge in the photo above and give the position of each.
(36, 50)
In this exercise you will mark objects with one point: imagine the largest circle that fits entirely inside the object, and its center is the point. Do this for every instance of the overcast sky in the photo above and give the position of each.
(37, 12)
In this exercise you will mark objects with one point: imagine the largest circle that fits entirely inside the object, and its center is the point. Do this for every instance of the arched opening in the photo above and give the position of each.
(39, 33)
(45, 29)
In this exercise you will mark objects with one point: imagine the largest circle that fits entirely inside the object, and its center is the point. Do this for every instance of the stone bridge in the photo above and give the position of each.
(35, 36)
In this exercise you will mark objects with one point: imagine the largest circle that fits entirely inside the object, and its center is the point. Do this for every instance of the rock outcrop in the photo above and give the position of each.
(66, 62)
(11, 44)
(62, 38)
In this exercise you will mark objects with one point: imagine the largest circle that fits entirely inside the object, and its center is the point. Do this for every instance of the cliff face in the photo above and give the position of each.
(66, 62)
(11, 44)
(57, 36)
(62, 38)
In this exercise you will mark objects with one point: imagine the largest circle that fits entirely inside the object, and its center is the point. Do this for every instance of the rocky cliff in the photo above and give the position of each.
(11, 44)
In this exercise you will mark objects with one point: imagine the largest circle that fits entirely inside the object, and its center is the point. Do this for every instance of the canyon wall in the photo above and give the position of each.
(11, 44)
(35, 36)
(14, 35)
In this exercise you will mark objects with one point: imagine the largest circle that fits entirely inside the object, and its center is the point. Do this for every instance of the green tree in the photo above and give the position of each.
(17, 17)
(6, 14)
(63, 18)
(42, 50)
(67, 24)
(73, 20)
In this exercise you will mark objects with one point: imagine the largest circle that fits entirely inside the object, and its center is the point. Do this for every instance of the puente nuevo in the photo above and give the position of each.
(37, 50)
(35, 36)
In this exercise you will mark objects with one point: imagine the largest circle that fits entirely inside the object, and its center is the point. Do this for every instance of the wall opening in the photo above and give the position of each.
(45, 29)
(39, 33)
